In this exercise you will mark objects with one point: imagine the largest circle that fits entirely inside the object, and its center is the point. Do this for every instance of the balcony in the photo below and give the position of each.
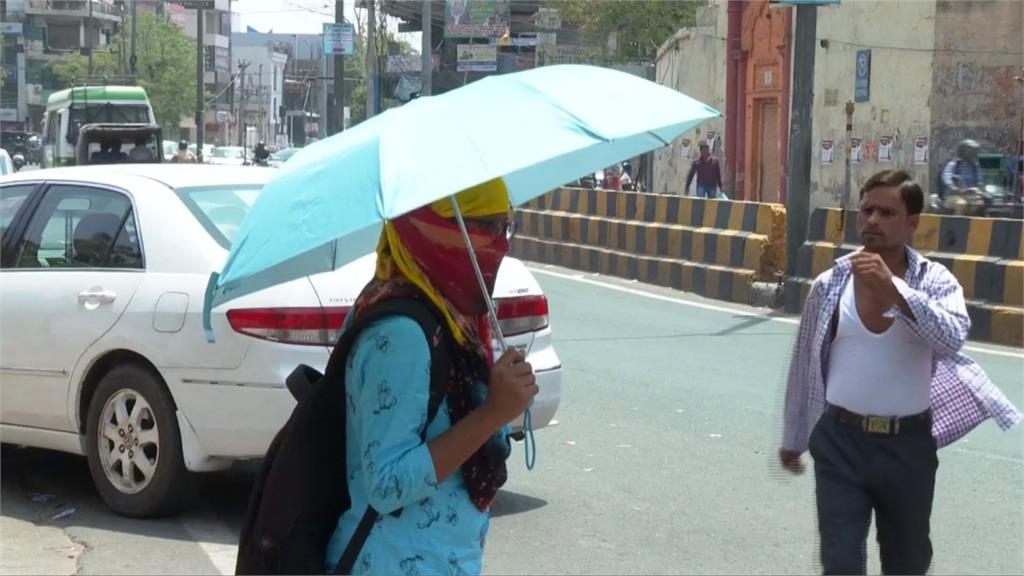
(73, 9)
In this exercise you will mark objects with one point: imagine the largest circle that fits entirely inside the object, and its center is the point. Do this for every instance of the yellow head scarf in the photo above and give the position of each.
(487, 199)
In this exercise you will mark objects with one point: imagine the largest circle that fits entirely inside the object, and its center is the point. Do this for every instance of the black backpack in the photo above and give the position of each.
(302, 486)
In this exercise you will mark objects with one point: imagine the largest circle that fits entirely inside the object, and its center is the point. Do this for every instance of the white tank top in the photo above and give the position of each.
(887, 374)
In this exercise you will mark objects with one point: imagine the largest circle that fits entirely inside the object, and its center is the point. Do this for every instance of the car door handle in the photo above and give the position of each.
(101, 296)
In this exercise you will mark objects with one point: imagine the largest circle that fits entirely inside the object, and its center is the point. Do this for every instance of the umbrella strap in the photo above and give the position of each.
(529, 446)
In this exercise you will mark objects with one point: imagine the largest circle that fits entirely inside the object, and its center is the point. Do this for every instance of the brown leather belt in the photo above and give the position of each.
(882, 425)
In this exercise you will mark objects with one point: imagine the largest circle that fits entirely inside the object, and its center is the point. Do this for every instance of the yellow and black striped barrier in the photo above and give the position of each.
(716, 248)
(985, 254)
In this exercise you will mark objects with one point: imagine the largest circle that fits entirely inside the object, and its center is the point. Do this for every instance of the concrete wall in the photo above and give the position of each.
(901, 35)
(979, 51)
(693, 62)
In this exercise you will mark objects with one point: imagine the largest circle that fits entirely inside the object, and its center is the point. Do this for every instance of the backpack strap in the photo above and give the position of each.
(438, 337)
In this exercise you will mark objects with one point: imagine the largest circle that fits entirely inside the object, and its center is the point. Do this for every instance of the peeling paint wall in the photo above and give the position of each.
(979, 50)
(900, 35)
(693, 62)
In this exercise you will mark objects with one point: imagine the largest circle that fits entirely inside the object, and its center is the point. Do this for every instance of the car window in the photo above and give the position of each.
(220, 209)
(81, 227)
(12, 198)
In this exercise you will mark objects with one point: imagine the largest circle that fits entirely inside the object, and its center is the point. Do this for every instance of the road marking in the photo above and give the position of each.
(683, 302)
(210, 535)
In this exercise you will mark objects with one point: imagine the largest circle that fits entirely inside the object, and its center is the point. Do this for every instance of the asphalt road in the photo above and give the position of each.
(662, 462)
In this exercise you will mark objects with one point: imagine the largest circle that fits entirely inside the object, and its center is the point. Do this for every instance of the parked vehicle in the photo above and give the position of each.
(278, 158)
(228, 156)
(103, 272)
(6, 163)
(170, 148)
(27, 144)
(68, 110)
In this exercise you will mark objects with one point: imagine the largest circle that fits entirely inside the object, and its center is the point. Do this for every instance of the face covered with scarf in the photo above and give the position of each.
(425, 248)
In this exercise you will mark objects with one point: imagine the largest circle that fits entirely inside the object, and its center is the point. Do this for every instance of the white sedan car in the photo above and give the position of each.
(102, 350)
(228, 156)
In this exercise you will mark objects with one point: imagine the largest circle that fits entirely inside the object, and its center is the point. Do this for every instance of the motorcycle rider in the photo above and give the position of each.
(261, 155)
(962, 174)
(183, 156)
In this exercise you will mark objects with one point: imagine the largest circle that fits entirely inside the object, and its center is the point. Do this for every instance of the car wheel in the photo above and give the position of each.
(134, 445)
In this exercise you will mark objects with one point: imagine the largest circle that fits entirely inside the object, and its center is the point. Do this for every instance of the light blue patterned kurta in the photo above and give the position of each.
(439, 531)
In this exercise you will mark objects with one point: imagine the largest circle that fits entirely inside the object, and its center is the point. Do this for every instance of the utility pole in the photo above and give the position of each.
(133, 60)
(199, 85)
(240, 122)
(427, 50)
(798, 199)
(371, 59)
(259, 98)
(339, 73)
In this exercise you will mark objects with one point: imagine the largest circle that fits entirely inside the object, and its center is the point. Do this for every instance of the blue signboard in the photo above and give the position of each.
(862, 81)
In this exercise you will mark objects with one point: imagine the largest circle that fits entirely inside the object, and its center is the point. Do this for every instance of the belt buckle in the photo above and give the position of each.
(877, 425)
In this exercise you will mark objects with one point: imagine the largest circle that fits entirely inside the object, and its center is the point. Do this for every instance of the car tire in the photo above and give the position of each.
(140, 432)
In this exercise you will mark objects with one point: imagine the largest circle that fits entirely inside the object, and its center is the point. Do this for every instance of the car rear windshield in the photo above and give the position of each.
(106, 113)
(220, 209)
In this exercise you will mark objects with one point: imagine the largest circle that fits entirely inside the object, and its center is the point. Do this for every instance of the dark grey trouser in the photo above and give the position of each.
(855, 473)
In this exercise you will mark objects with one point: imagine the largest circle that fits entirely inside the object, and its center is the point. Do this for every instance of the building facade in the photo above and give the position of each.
(306, 85)
(38, 32)
(260, 93)
(217, 69)
(919, 75)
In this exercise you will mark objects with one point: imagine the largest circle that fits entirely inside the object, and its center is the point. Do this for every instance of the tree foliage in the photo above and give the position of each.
(355, 66)
(166, 66)
(640, 26)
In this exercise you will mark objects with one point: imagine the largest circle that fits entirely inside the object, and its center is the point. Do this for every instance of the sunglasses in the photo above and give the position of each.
(494, 227)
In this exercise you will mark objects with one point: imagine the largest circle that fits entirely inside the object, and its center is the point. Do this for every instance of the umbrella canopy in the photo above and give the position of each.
(536, 129)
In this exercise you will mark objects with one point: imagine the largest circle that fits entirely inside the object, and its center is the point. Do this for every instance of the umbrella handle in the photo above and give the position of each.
(491, 312)
(531, 448)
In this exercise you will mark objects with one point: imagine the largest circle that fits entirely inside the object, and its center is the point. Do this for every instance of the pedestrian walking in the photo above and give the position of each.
(708, 172)
(878, 381)
(432, 488)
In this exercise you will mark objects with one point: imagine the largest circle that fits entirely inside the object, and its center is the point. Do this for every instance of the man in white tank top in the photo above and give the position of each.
(880, 337)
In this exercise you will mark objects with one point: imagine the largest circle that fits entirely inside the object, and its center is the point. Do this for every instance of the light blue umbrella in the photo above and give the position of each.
(536, 129)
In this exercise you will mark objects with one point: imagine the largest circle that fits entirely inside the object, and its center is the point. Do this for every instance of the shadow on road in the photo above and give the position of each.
(61, 483)
(508, 503)
(50, 488)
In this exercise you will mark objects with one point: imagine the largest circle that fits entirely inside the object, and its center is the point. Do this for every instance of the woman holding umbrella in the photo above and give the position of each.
(444, 480)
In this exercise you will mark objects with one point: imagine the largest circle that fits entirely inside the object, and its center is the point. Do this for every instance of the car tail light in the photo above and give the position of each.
(313, 326)
(522, 314)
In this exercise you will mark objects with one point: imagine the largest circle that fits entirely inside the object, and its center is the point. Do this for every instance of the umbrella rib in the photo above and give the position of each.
(663, 141)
